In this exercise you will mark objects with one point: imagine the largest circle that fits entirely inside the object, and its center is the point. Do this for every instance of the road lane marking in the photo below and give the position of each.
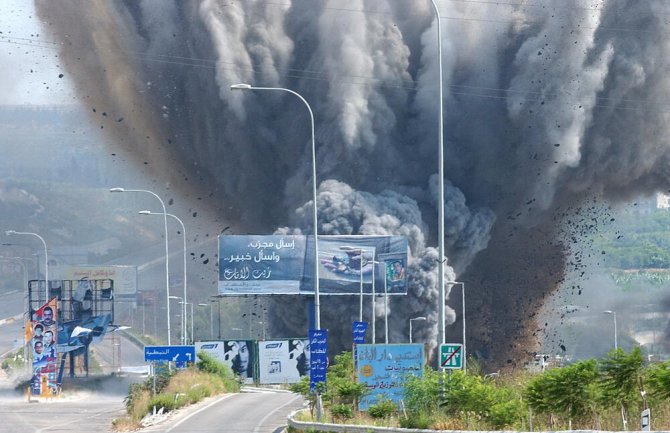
(177, 424)
(260, 423)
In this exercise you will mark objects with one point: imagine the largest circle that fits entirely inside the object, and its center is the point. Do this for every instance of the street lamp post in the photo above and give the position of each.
(19, 260)
(374, 298)
(440, 205)
(386, 307)
(616, 341)
(410, 326)
(182, 319)
(183, 232)
(211, 319)
(46, 258)
(463, 308)
(360, 252)
(191, 304)
(167, 255)
(317, 304)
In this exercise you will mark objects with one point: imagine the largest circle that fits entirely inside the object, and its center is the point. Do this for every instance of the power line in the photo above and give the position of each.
(304, 74)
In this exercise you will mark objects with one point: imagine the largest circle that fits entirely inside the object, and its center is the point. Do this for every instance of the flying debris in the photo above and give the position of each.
(558, 104)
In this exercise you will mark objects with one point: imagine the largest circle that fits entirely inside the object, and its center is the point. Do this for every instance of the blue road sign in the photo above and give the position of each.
(318, 362)
(179, 354)
(358, 330)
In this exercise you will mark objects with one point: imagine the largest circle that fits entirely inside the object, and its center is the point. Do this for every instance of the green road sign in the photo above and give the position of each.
(451, 356)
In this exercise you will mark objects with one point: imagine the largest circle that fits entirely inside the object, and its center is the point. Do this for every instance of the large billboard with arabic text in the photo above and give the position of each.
(384, 369)
(284, 264)
(124, 277)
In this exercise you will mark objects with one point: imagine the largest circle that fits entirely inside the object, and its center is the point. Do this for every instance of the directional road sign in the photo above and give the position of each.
(169, 353)
(450, 356)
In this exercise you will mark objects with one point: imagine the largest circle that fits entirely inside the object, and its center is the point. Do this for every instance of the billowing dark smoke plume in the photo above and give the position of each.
(545, 105)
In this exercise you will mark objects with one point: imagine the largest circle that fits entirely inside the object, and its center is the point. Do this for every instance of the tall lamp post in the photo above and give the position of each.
(317, 304)
(191, 304)
(183, 232)
(182, 320)
(463, 308)
(211, 319)
(360, 252)
(421, 318)
(440, 205)
(167, 255)
(374, 298)
(19, 260)
(616, 341)
(46, 258)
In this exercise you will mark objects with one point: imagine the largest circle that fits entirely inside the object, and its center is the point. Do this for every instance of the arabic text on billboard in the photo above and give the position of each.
(285, 264)
(124, 277)
(384, 368)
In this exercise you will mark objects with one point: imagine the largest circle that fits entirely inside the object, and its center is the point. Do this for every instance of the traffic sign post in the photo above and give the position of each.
(451, 356)
(178, 354)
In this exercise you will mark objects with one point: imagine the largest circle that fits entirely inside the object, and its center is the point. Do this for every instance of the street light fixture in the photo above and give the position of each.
(317, 304)
(463, 308)
(167, 255)
(360, 272)
(46, 258)
(183, 232)
(421, 318)
(616, 342)
(440, 205)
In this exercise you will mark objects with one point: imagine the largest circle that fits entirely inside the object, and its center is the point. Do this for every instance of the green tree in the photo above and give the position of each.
(566, 391)
(621, 376)
(658, 379)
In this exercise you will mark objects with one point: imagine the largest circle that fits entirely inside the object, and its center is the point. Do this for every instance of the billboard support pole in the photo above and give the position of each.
(386, 307)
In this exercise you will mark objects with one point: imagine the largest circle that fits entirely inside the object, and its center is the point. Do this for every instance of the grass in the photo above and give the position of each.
(176, 389)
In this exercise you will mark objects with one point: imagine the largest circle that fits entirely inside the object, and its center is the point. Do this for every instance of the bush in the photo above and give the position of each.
(420, 420)
(384, 408)
(167, 401)
(342, 411)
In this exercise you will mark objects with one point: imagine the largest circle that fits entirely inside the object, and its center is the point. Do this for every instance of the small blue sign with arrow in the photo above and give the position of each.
(178, 354)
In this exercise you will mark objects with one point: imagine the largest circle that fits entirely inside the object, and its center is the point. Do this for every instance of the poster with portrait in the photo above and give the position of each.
(239, 355)
(283, 361)
(43, 344)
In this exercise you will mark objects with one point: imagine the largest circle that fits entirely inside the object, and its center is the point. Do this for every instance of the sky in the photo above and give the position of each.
(30, 64)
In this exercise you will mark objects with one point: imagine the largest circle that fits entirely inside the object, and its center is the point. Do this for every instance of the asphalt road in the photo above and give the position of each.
(247, 412)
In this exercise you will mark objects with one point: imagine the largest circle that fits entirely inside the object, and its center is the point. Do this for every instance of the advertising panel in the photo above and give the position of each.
(124, 277)
(44, 352)
(384, 368)
(283, 361)
(285, 264)
(239, 355)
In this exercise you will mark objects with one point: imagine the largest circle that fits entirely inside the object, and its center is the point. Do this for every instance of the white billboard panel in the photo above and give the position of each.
(283, 361)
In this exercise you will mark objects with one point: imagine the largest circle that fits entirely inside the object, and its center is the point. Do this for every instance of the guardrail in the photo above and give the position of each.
(351, 428)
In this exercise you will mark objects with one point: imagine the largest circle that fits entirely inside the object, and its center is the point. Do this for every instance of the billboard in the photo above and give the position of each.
(124, 277)
(384, 368)
(239, 355)
(43, 340)
(284, 264)
(283, 361)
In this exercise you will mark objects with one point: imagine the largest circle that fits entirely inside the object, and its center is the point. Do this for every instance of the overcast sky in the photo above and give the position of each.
(29, 67)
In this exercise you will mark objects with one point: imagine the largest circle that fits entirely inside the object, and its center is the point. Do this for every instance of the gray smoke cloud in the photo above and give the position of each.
(545, 106)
